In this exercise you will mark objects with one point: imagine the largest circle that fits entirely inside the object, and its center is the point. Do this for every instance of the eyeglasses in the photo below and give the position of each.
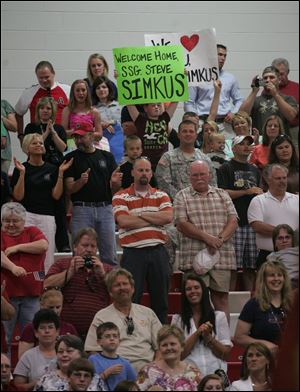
(282, 137)
(51, 288)
(130, 325)
(13, 221)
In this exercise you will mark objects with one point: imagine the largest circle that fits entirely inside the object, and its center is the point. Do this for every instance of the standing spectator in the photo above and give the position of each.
(283, 151)
(31, 365)
(81, 279)
(241, 180)
(55, 141)
(97, 66)
(26, 248)
(108, 364)
(7, 311)
(283, 237)
(9, 123)
(273, 127)
(133, 150)
(172, 171)
(46, 87)
(271, 209)
(90, 181)
(138, 325)
(257, 366)
(79, 111)
(141, 213)
(263, 317)
(52, 298)
(169, 372)
(153, 128)
(288, 87)
(206, 331)
(110, 113)
(200, 98)
(37, 185)
(271, 101)
(206, 218)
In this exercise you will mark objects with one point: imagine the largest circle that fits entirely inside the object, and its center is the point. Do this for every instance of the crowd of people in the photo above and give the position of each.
(218, 196)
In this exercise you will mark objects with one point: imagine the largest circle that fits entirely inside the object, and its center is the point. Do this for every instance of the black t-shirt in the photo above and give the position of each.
(102, 165)
(237, 176)
(51, 150)
(266, 325)
(127, 178)
(39, 182)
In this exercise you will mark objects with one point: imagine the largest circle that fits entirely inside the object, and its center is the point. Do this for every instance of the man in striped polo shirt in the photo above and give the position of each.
(141, 212)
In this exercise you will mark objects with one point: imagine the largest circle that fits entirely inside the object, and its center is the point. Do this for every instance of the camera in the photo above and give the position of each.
(259, 82)
(88, 262)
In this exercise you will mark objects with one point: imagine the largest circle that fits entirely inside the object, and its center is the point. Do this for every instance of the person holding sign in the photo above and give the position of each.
(152, 128)
(200, 98)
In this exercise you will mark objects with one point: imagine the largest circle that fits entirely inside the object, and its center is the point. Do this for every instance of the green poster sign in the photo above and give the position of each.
(150, 74)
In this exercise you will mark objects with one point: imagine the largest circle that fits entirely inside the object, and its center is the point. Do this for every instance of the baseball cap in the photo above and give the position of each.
(83, 128)
(238, 139)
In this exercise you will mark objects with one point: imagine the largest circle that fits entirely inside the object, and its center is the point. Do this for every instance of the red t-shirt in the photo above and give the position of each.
(292, 89)
(29, 285)
(84, 295)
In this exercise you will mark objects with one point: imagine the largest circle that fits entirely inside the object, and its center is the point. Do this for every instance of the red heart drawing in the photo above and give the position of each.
(189, 43)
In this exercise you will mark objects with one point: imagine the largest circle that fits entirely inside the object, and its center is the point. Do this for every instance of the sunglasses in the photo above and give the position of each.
(130, 325)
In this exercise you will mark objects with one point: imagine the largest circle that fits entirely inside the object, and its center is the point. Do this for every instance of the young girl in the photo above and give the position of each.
(79, 110)
(110, 112)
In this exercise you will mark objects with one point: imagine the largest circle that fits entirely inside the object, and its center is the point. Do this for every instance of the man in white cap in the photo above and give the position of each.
(241, 180)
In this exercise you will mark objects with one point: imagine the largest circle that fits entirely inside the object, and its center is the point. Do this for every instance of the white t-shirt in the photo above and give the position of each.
(201, 355)
(266, 208)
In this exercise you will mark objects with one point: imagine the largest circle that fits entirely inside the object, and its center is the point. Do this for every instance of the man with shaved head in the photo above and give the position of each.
(206, 218)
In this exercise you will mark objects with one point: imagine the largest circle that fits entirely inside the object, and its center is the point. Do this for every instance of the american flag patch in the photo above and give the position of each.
(39, 275)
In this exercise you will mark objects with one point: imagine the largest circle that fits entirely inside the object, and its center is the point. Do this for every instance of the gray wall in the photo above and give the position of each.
(66, 33)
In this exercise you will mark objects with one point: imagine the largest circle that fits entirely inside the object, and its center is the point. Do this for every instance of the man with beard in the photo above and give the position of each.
(138, 325)
(91, 180)
(141, 212)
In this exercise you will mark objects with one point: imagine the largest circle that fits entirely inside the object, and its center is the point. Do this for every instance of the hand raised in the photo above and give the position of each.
(19, 166)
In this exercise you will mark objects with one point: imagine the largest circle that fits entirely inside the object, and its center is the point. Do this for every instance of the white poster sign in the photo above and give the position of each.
(200, 50)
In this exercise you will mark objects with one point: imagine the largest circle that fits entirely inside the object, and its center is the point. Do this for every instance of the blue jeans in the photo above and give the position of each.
(102, 220)
(26, 307)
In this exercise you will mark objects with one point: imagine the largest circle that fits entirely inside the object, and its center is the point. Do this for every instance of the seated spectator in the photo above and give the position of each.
(133, 150)
(257, 365)
(211, 382)
(285, 251)
(263, 317)
(68, 348)
(108, 364)
(272, 128)
(138, 325)
(283, 151)
(206, 331)
(110, 113)
(127, 386)
(30, 367)
(168, 371)
(52, 298)
(7, 384)
(81, 279)
(80, 375)
(98, 67)
(24, 251)
(38, 185)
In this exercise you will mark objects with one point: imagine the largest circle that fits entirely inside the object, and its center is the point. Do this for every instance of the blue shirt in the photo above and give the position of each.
(200, 98)
(102, 362)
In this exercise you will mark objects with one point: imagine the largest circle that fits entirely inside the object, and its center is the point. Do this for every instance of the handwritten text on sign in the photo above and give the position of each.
(150, 74)
(200, 53)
